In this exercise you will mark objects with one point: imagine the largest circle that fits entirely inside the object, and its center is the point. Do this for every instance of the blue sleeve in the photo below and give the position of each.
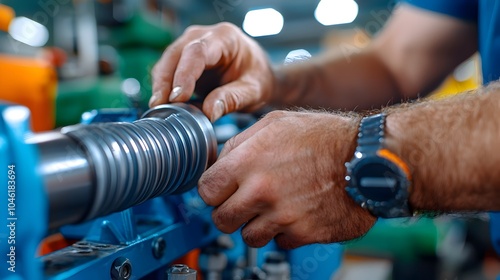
(495, 230)
(462, 9)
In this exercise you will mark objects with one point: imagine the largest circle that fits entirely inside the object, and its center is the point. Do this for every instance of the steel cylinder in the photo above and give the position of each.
(94, 170)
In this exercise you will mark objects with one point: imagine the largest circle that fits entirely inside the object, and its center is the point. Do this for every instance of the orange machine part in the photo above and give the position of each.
(53, 243)
(30, 82)
(7, 14)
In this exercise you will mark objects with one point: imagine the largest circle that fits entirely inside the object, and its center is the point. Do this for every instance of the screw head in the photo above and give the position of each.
(121, 269)
(159, 245)
(179, 269)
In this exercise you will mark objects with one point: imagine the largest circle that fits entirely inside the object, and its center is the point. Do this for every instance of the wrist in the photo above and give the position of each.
(395, 142)
(291, 83)
(279, 82)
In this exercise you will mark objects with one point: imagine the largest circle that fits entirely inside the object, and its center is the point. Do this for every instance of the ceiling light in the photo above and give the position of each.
(263, 22)
(29, 32)
(332, 12)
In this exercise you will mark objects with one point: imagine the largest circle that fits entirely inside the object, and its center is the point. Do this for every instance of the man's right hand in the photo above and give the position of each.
(246, 80)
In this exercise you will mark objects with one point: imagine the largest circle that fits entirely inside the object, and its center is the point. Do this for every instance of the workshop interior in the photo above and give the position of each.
(96, 185)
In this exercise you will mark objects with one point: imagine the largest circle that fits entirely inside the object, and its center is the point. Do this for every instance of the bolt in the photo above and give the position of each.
(181, 272)
(159, 245)
(179, 269)
(121, 269)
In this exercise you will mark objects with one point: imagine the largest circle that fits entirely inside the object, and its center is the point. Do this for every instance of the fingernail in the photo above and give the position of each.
(218, 110)
(176, 91)
(153, 99)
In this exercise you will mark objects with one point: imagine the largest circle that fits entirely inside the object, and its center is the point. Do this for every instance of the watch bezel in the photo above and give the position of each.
(397, 206)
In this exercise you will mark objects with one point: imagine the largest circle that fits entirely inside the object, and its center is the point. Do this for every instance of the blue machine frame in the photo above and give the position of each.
(137, 243)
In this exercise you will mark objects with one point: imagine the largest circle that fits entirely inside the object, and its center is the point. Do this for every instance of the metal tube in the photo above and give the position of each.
(94, 170)
(67, 176)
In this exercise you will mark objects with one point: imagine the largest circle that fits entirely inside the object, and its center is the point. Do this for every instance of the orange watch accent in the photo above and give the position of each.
(396, 160)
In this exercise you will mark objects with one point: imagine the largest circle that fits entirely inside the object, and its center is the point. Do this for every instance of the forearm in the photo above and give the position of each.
(452, 149)
(414, 52)
(356, 82)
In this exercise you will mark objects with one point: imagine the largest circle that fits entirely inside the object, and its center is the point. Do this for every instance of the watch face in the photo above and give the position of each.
(378, 180)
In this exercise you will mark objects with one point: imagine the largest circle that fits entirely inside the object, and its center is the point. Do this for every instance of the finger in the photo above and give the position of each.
(164, 69)
(231, 97)
(197, 56)
(218, 182)
(162, 75)
(236, 211)
(259, 231)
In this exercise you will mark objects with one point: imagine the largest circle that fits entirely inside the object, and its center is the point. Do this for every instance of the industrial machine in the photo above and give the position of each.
(98, 187)
(114, 196)
(85, 172)
(114, 200)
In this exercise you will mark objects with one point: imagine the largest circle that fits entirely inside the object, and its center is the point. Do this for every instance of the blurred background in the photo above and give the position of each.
(62, 58)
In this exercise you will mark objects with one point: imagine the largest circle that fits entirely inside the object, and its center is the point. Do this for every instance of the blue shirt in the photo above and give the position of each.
(486, 13)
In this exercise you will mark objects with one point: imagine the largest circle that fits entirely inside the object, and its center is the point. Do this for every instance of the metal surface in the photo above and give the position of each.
(94, 170)
(67, 176)
(181, 272)
(190, 117)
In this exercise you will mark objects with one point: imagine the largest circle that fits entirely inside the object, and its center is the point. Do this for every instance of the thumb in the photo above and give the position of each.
(231, 97)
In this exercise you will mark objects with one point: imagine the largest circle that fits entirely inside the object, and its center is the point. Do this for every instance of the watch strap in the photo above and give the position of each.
(371, 134)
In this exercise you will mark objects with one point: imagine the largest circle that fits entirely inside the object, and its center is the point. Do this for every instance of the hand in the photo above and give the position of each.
(283, 178)
(244, 75)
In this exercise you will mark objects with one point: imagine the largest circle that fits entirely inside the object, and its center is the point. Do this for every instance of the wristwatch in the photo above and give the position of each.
(377, 179)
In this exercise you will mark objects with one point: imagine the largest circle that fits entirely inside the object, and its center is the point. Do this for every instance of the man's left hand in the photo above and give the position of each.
(283, 178)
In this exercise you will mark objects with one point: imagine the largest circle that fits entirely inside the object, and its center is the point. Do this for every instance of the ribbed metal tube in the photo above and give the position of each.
(165, 152)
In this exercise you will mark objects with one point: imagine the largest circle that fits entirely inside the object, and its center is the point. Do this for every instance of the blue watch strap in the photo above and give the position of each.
(371, 134)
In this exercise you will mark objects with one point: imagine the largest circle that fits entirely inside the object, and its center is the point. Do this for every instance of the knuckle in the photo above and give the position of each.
(193, 28)
(286, 218)
(196, 47)
(262, 195)
(276, 114)
(213, 184)
(230, 144)
(234, 100)
(226, 148)
(226, 27)
(207, 192)
(157, 72)
(263, 192)
(254, 238)
(223, 221)
(185, 77)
